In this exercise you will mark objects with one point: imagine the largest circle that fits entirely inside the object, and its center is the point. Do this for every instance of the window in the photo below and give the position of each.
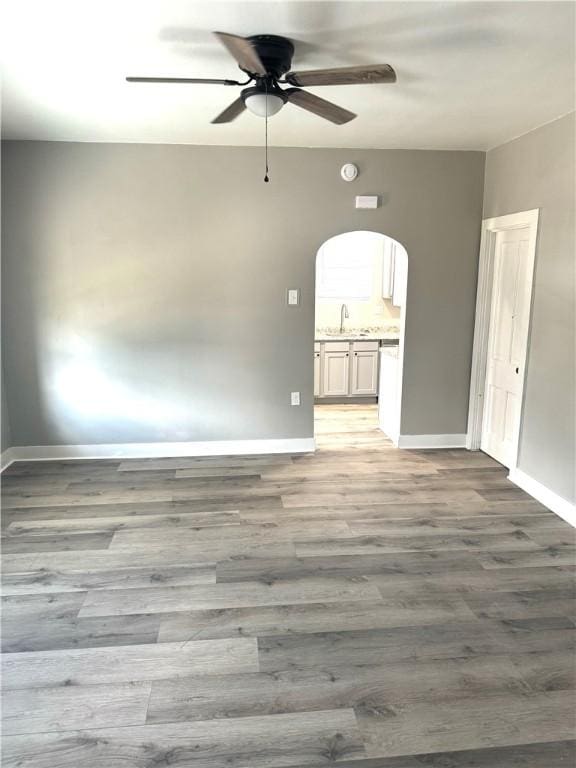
(341, 274)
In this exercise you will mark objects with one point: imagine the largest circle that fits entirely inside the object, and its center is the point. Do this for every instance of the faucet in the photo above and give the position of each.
(343, 314)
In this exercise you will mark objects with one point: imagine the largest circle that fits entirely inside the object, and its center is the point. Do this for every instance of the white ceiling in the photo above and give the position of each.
(470, 75)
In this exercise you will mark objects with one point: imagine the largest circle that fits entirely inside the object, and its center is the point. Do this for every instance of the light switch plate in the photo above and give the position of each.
(367, 201)
(294, 398)
(293, 296)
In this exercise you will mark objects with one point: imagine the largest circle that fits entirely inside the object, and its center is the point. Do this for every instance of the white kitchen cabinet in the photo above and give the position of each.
(388, 248)
(335, 375)
(389, 392)
(394, 272)
(346, 369)
(364, 372)
(400, 278)
(317, 370)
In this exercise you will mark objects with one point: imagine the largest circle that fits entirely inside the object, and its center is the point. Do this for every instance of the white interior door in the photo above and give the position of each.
(507, 340)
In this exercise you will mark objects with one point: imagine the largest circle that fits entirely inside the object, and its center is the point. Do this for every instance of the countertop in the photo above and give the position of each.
(389, 335)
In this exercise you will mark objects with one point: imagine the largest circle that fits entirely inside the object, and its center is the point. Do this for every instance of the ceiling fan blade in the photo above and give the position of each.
(243, 51)
(231, 112)
(318, 106)
(376, 73)
(204, 80)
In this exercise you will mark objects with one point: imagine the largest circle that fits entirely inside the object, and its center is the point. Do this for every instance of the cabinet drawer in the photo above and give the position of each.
(336, 346)
(365, 346)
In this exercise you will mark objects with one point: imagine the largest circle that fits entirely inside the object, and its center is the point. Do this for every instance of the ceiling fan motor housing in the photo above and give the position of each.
(275, 53)
(262, 87)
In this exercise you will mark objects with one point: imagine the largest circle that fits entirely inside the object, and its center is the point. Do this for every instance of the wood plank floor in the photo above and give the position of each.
(361, 607)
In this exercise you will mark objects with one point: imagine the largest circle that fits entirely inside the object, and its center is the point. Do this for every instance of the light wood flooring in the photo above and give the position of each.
(362, 607)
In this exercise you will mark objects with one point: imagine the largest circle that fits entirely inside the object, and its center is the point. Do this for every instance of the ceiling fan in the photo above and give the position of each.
(267, 61)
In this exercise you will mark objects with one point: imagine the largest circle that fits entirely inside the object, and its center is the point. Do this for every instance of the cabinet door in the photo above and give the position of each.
(316, 374)
(388, 269)
(335, 373)
(364, 373)
(400, 278)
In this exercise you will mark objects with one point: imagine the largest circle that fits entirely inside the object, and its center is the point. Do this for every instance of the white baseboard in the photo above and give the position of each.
(7, 458)
(393, 436)
(431, 441)
(157, 450)
(562, 507)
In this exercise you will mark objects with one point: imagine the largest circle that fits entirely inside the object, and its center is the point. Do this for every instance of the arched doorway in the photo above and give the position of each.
(360, 301)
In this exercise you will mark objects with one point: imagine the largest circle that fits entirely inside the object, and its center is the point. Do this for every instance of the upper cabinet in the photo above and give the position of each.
(394, 272)
(400, 280)
(388, 247)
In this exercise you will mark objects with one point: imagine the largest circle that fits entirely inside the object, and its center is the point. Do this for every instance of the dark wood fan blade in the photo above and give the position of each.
(231, 112)
(377, 73)
(243, 51)
(318, 106)
(207, 81)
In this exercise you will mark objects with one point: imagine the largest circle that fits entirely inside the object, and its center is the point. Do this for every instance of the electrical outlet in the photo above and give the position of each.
(294, 398)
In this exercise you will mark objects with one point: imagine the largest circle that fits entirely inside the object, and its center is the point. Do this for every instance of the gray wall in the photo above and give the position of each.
(537, 171)
(144, 285)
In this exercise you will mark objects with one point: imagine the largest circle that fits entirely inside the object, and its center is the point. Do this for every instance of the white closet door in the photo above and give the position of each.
(509, 320)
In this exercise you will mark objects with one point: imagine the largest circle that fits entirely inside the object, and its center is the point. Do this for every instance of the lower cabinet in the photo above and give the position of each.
(316, 370)
(346, 369)
(364, 373)
(335, 379)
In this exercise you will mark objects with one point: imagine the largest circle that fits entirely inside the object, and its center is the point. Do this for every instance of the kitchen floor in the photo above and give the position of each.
(362, 607)
(347, 421)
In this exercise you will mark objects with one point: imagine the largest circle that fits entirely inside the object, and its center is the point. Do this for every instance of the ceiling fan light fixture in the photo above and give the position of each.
(262, 104)
(267, 61)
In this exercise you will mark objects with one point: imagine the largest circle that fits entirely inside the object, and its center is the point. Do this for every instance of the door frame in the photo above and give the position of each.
(391, 431)
(490, 229)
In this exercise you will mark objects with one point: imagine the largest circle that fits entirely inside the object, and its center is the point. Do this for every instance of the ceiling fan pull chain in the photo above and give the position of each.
(266, 179)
